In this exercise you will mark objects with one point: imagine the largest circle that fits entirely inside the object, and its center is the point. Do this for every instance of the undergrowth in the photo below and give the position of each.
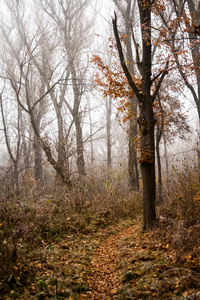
(47, 236)
(165, 263)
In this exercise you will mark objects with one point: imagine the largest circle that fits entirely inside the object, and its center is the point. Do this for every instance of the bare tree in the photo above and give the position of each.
(14, 152)
(184, 33)
(49, 70)
(15, 50)
(73, 30)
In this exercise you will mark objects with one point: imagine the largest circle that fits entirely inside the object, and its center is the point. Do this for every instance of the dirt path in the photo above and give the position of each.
(104, 280)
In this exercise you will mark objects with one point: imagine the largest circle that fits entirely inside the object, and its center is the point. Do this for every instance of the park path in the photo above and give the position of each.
(104, 280)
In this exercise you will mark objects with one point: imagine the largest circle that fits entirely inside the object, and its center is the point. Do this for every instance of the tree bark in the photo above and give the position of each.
(147, 120)
(146, 124)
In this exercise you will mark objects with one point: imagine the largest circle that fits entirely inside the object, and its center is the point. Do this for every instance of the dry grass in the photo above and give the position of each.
(165, 263)
(48, 236)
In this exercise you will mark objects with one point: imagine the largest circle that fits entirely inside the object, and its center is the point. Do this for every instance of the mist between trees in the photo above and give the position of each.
(78, 101)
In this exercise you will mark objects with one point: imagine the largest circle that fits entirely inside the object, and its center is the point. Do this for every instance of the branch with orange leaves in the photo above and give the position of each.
(113, 83)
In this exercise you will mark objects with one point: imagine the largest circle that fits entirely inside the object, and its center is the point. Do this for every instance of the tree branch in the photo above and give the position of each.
(122, 60)
(160, 82)
(190, 87)
(119, 8)
(17, 95)
(46, 93)
(136, 49)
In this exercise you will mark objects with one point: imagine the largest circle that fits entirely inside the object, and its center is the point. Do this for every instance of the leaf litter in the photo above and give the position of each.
(116, 262)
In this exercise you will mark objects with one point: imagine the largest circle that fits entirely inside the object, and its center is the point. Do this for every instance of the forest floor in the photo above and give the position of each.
(117, 261)
(89, 244)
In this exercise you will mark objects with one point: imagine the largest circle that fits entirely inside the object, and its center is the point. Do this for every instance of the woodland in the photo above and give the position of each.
(100, 157)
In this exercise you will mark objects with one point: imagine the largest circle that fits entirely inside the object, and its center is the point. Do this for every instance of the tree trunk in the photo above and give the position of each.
(37, 147)
(159, 133)
(108, 130)
(63, 160)
(148, 166)
(48, 152)
(26, 148)
(132, 159)
(61, 139)
(79, 143)
(16, 178)
(160, 197)
(91, 135)
(38, 160)
(166, 162)
(76, 117)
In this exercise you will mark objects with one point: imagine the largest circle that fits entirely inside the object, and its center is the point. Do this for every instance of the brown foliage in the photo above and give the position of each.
(115, 84)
